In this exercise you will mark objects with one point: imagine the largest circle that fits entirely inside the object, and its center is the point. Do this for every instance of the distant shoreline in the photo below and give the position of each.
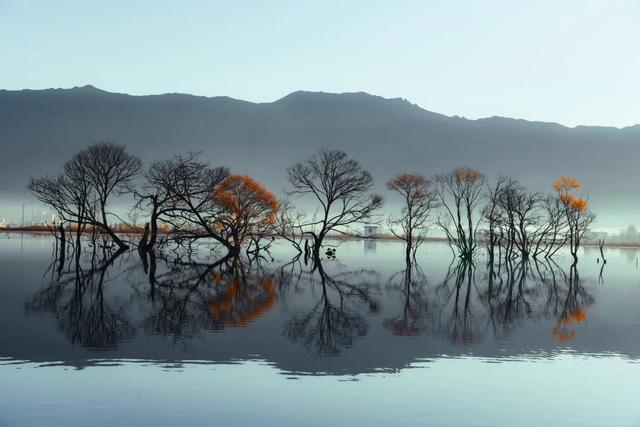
(41, 231)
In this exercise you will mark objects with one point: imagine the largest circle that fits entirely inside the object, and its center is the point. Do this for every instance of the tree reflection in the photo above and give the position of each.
(464, 310)
(77, 301)
(576, 301)
(335, 322)
(462, 328)
(327, 306)
(411, 283)
(190, 296)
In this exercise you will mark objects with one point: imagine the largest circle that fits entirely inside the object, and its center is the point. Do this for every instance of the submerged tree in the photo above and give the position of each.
(201, 202)
(522, 223)
(109, 171)
(249, 210)
(576, 211)
(156, 197)
(459, 192)
(552, 233)
(519, 208)
(493, 218)
(69, 199)
(340, 186)
(180, 193)
(418, 201)
(81, 194)
(289, 225)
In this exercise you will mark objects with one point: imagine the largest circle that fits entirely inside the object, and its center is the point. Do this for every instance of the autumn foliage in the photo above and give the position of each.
(244, 197)
(411, 184)
(565, 187)
(246, 206)
(577, 215)
(467, 175)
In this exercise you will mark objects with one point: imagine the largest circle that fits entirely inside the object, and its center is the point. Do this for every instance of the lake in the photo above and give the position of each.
(363, 340)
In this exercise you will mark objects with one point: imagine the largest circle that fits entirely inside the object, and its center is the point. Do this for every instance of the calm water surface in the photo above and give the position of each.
(361, 341)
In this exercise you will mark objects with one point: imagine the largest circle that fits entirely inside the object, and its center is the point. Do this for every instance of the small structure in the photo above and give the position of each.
(370, 232)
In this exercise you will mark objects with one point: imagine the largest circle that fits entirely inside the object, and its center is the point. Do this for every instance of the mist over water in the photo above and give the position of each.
(387, 136)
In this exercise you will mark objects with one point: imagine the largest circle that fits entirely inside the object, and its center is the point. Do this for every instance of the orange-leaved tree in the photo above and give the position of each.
(247, 209)
(576, 211)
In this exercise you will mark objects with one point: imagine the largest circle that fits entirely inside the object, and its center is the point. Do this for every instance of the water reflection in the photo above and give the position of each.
(410, 284)
(77, 302)
(335, 321)
(530, 290)
(347, 313)
(189, 296)
(463, 309)
(369, 246)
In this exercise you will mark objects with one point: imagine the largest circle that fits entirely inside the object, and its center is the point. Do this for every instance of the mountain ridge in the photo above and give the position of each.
(88, 88)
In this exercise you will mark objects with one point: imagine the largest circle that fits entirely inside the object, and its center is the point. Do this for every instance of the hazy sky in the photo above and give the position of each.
(574, 62)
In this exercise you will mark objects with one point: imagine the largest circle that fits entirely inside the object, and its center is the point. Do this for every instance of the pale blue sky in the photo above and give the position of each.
(574, 62)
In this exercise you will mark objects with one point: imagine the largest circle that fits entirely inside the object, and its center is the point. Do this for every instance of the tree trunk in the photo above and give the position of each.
(105, 226)
(154, 229)
(601, 244)
(144, 245)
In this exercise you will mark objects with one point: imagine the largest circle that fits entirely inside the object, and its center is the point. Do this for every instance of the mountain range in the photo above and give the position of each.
(40, 129)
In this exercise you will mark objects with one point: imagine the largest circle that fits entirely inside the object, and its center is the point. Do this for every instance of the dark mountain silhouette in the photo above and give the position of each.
(39, 129)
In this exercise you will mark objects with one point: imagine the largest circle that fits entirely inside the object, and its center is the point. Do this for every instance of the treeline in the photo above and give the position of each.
(197, 201)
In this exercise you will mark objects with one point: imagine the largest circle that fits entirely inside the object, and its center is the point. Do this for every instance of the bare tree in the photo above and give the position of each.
(89, 181)
(520, 209)
(492, 215)
(156, 196)
(460, 193)
(418, 201)
(341, 188)
(180, 192)
(61, 195)
(289, 225)
(71, 196)
(109, 170)
(552, 233)
(579, 222)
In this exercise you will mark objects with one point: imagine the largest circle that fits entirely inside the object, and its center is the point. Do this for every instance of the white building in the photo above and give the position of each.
(370, 231)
